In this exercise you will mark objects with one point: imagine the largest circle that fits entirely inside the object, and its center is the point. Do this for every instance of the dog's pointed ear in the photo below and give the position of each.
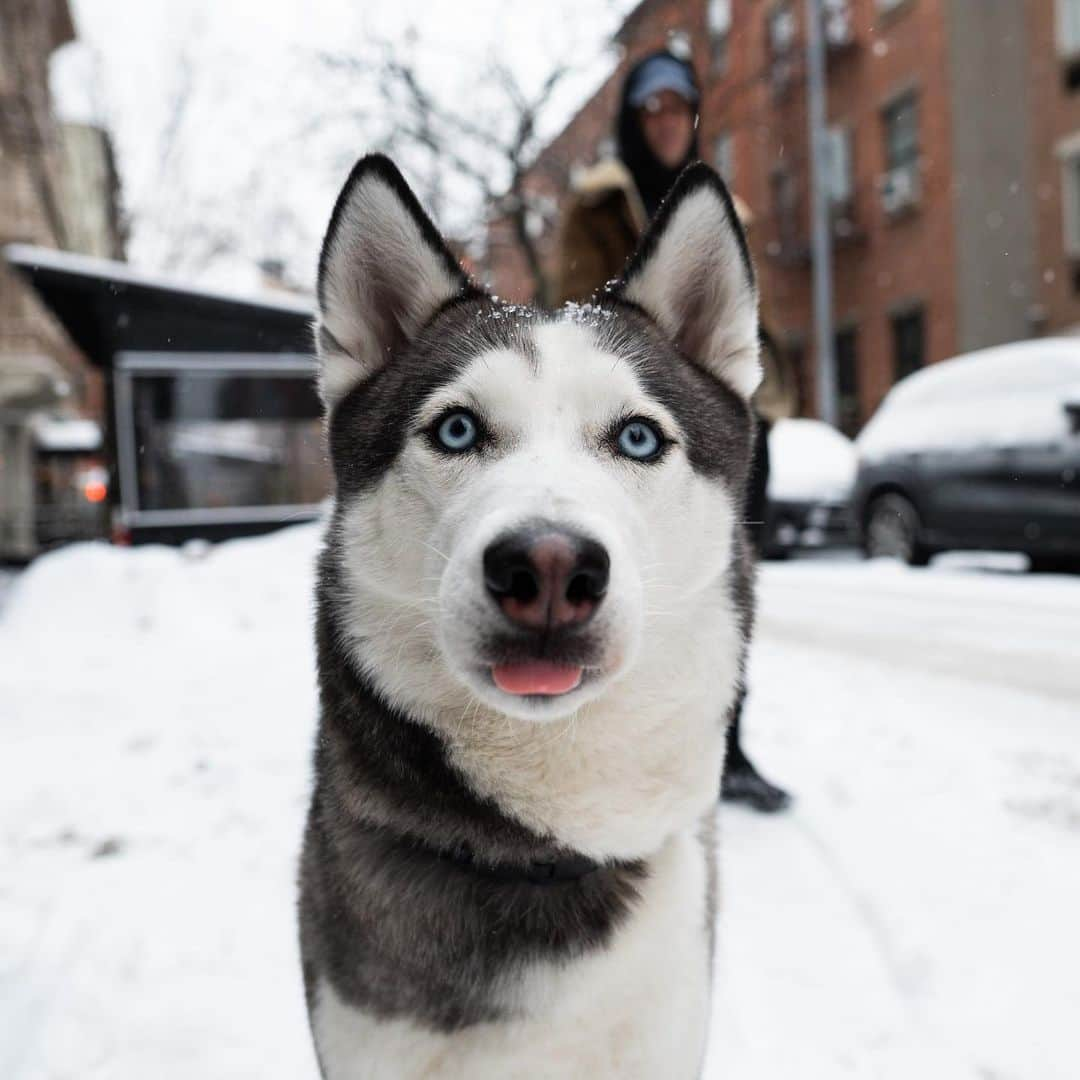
(693, 276)
(384, 272)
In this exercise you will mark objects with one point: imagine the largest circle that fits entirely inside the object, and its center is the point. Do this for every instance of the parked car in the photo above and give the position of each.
(811, 478)
(979, 452)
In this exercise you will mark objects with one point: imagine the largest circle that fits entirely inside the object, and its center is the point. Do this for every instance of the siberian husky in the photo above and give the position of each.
(534, 601)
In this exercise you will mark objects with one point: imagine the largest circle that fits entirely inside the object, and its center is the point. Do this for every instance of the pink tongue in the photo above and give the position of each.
(536, 678)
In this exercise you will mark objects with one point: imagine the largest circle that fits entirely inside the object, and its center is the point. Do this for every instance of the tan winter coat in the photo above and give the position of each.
(603, 219)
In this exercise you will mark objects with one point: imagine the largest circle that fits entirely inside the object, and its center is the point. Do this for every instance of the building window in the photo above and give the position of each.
(900, 186)
(838, 176)
(901, 119)
(785, 201)
(836, 22)
(797, 373)
(1070, 201)
(1068, 152)
(1068, 28)
(909, 342)
(847, 381)
(783, 30)
(207, 440)
(724, 157)
(719, 19)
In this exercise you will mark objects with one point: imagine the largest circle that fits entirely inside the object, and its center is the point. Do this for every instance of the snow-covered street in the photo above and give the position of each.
(915, 915)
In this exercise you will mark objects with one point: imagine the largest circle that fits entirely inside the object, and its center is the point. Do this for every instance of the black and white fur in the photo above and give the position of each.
(428, 947)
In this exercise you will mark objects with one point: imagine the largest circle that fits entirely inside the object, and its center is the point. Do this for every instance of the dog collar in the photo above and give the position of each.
(538, 872)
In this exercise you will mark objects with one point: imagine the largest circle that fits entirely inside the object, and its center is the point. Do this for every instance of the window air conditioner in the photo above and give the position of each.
(899, 189)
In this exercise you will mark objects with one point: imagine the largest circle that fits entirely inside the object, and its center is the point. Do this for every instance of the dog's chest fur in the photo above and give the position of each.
(635, 1009)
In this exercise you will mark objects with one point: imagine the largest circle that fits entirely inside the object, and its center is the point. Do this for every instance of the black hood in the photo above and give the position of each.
(652, 177)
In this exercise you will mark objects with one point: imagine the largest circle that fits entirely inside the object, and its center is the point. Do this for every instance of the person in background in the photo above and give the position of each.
(610, 205)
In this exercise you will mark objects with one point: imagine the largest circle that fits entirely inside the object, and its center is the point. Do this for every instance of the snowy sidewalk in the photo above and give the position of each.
(916, 915)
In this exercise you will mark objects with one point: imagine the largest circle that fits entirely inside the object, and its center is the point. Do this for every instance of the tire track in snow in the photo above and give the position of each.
(35, 988)
(1035, 655)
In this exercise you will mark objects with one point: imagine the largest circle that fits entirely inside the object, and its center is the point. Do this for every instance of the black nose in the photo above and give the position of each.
(545, 577)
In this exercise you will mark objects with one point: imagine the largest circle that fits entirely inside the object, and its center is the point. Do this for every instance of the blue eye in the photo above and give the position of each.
(639, 439)
(458, 431)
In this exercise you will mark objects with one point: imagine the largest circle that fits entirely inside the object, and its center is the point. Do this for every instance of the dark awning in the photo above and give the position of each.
(107, 308)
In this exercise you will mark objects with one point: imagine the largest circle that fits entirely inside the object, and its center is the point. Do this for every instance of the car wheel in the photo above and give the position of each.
(892, 531)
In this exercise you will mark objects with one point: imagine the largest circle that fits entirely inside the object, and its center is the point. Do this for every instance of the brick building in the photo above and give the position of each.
(955, 169)
(58, 189)
(1053, 50)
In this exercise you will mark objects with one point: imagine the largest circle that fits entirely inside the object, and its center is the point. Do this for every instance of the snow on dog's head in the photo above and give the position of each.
(532, 507)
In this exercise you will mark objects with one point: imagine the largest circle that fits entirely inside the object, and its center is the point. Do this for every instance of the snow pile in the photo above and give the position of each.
(158, 709)
(810, 462)
(914, 916)
(66, 433)
(998, 398)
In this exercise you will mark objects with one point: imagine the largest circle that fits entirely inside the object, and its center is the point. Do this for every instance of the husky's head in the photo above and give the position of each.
(533, 508)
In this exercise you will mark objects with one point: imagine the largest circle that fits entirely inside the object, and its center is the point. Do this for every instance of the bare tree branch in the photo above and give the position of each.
(494, 158)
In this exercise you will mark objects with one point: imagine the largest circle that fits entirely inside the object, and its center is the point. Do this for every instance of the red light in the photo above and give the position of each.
(95, 491)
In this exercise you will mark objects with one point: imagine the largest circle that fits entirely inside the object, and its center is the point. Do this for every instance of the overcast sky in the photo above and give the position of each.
(241, 153)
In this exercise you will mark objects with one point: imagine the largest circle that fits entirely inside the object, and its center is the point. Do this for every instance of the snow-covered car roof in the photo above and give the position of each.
(995, 397)
(809, 461)
(69, 434)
